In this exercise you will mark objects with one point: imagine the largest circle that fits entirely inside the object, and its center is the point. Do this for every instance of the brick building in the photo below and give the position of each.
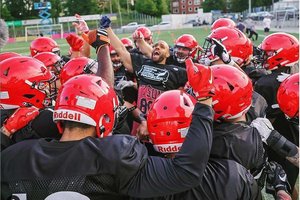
(185, 6)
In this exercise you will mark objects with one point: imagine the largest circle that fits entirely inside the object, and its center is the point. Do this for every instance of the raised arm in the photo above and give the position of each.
(117, 44)
(161, 176)
(144, 47)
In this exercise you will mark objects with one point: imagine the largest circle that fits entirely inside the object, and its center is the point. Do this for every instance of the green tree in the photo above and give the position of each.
(209, 5)
(20, 9)
(5, 14)
(162, 7)
(238, 5)
(56, 8)
(146, 6)
(82, 7)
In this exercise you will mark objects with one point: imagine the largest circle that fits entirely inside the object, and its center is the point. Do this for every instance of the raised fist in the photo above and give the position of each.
(105, 22)
(200, 79)
(82, 25)
(219, 50)
(75, 42)
(137, 35)
(96, 38)
(20, 118)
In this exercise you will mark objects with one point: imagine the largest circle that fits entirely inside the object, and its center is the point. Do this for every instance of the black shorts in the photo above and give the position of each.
(267, 30)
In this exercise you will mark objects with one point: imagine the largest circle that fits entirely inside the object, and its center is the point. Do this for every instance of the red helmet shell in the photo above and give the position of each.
(22, 82)
(281, 49)
(43, 44)
(169, 119)
(288, 96)
(6, 55)
(223, 22)
(237, 44)
(77, 66)
(89, 100)
(233, 92)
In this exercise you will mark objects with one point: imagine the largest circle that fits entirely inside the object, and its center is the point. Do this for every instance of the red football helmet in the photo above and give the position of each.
(237, 44)
(76, 66)
(185, 41)
(169, 119)
(44, 44)
(288, 96)
(233, 92)
(6, 55)
(25, 81)
(223, 22)
(127, 43)
(279, 50)
(51, 60)
(146, 33)
(89, 100)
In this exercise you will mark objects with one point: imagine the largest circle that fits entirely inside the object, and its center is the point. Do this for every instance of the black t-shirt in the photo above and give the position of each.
(153, 79)
(267, 86)
(106, 168)
(222, 179)
(239, 142)
(254, 73)
(258, 107)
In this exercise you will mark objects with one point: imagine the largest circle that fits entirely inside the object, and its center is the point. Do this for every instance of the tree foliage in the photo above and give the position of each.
(82, 7)
(209, 5)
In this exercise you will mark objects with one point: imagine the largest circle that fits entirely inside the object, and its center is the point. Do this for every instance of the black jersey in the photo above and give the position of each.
(267, 86)
(223, 180)
(153, 79)
(258, 107)
(290, 130)
(254, 73)
(106, 168)
(239, 142)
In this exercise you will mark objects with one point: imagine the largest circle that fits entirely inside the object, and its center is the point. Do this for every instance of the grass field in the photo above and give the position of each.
(169, 36)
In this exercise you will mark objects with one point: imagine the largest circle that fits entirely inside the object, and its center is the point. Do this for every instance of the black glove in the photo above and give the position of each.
(220, 50)
(276, 179)
(105, 22)
(96, 38)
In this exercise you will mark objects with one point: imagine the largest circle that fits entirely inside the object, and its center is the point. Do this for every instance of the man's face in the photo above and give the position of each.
(116, 60)
(182, 52)
(160, 52)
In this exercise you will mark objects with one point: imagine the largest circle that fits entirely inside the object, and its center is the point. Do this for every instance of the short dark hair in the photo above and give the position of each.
(71, 125)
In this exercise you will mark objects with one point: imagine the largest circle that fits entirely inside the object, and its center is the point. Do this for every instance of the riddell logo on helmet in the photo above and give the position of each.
(168, 149)
(66, 115)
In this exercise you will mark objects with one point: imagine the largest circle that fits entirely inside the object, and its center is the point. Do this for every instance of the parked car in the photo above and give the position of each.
(193, 22)
(161, 26)
(131, 26)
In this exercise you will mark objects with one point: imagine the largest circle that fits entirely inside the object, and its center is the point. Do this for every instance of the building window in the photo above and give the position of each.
(183, 12)
(183, 6)
(190, 9)
(182, 1)
(190, 3)
(196, 9)
(175, 4)
(175, 10)
(196, 2)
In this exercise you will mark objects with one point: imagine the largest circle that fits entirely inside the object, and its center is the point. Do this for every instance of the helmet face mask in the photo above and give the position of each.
(181, 53)
(279, 50)
(26, 81)
(185, 46)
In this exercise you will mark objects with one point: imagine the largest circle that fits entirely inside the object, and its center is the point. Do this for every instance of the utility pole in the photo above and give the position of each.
(249, 6)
